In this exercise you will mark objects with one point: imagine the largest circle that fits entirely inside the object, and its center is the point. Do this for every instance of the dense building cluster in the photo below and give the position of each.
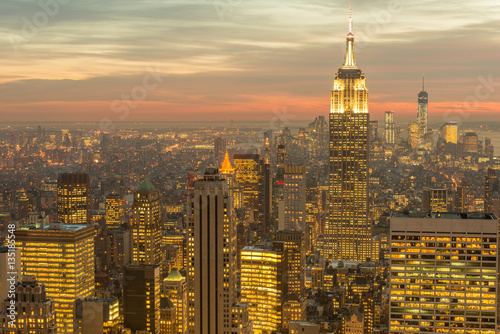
(329, 227)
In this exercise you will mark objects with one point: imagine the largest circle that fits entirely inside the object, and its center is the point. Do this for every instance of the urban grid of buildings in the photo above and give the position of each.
(336, 227)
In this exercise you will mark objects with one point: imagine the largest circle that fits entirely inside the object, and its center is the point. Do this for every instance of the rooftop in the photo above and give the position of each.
(445, 215)
(174, 275)
(146, 185)
(54, 227)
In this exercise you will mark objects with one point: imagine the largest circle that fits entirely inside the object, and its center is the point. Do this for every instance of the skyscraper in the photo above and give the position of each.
(62, 257)
(211, 256)
(146, 226)
(235, 191)
(443, 273)
(449, 132)
(489, 149)
(422, 110)
(390, 128)
(348, 231)
(294, 196)
(413, 135)
(254, 176)
(470, 142)
(219, 150)
(296, 259)
(264, 285)
(73, 198)
(141, 298)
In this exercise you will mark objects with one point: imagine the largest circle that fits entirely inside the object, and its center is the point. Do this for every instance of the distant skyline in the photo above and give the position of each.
(242, 59)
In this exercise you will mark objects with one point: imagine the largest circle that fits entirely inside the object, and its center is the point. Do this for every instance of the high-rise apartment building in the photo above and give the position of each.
(35, 312)
(211, 256)
(422, 113)
(293, 216)
(443, 273)
(264, 285)
(348, 230)
(390, 128)
(73, 198)
(435, 200)
(115, 210)
(62, 257)
(146, 226)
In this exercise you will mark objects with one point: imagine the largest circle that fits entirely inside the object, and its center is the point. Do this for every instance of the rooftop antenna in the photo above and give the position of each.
(423, 81)
(350, 16)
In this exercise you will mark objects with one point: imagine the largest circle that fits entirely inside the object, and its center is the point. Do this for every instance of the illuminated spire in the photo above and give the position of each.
(350, 16)
(226, 166)
(350, 62)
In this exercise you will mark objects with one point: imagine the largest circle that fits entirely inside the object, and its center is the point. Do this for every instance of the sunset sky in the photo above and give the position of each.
(75, 60)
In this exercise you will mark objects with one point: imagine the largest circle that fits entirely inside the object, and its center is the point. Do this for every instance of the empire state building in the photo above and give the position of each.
(348, 232)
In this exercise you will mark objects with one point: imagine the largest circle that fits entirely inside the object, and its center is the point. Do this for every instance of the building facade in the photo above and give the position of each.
(115, 210)
(73, 198)
(62, 257)
(264, 285)
(294, 197)
(35, 312)
(443, 273)
(146, 226)
(141, 298)
(390, 128)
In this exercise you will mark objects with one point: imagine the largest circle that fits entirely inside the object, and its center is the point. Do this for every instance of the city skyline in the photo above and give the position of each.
(242, 61)
(354, 221)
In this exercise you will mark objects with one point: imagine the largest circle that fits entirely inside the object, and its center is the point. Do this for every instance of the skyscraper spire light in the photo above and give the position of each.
(350, 16)
(350, 62)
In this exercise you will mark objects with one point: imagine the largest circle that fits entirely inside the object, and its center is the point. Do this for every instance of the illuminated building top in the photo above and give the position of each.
(226, 168)
(349, 89)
